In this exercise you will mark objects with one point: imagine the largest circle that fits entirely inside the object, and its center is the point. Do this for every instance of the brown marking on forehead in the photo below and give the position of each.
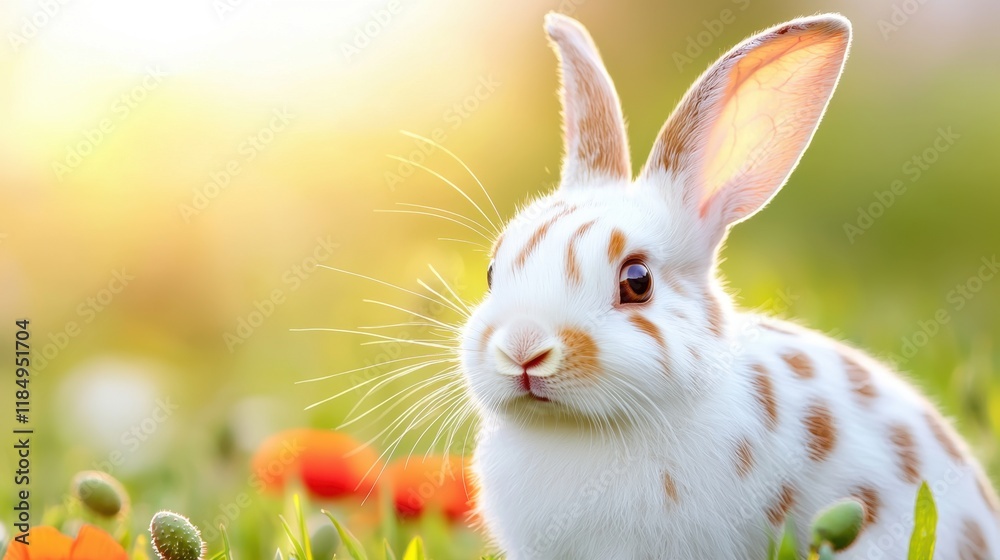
(822, 431)
(496, 245)
(944, 434)
(764, 393)
(973, 544)
(537, 237)
(782, 505)
(986, 490)
(616, 246)
(860, 379)
(484, 338)
(744, 457)
(645, 325)
(872, 503)
(670, 486)
(580, 351)
(572, 267)
(776, 328)
(673, 280)
(906, 453)
(713, 313)
(799, 363)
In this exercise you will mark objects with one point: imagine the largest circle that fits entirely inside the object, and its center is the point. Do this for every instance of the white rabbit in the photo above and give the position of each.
(628, 411)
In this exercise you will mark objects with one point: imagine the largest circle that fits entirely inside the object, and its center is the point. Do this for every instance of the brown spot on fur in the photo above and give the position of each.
(859, 378)
(822, 431)
(776, 328)
(496, 245)
(744, 458)
(616, 246)
(670, 486)
(986, 489)
(973, 545)
(906, 452)
(537, 237)
(572, 267)
(944, 434)
(713, 313)
(871, 501)
(581, 353)
(645, 325)
(800, 364)
(786, 500)
(674, 282)
(484, 339)
(593, 125)
(765, 394)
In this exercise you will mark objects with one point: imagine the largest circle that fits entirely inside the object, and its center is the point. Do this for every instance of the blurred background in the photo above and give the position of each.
(172, 172)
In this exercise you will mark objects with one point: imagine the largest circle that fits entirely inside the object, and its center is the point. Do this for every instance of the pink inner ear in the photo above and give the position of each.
(593, 128)
(740, 131)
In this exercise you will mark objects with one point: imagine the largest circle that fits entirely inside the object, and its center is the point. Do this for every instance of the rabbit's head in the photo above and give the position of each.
(602, 302)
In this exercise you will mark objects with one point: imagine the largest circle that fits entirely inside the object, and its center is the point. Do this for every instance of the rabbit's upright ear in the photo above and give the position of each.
(593, 127)
(740, 130)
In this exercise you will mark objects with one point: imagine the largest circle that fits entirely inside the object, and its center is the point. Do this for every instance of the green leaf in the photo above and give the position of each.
(925, 526)
(303, 531)
(415, 550)
(788, 549)
(389, 554)
(351, 543)
(227, 550)
(291, 538)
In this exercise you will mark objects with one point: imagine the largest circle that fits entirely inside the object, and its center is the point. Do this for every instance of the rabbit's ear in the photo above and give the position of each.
(740, 130)
(593, 127)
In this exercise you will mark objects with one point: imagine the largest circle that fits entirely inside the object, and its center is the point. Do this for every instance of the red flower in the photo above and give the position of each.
(46, 543)
(437, 483)
(329, 464)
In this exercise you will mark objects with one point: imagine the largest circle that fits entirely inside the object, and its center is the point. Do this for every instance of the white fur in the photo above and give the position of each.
(582, 476)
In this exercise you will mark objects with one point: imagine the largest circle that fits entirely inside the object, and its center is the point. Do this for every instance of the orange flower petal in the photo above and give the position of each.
(44, 543)
(335, 465)
(437, 483)
(94, 544)
(277, 457)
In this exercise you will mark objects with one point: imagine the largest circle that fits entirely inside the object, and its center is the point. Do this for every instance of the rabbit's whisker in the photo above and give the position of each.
(450, 184)
(460, 162)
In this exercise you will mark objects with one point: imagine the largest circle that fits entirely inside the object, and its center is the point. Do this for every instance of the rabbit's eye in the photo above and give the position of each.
(489, 276)
(635, 285)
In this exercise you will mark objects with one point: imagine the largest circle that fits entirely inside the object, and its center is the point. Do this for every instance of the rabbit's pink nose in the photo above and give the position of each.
(538, 363)
(525, 349)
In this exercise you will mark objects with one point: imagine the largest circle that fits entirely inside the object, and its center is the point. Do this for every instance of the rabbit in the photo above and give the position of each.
(627, 409)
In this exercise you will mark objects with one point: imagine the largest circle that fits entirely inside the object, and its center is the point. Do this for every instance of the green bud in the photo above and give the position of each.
(175, 538)
(838, 524)
(100, 493)
(324, 542)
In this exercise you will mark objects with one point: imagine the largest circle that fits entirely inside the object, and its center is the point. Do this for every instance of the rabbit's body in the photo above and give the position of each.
(628, 410)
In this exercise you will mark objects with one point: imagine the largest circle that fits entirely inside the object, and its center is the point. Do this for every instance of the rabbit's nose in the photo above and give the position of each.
(525, 349)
